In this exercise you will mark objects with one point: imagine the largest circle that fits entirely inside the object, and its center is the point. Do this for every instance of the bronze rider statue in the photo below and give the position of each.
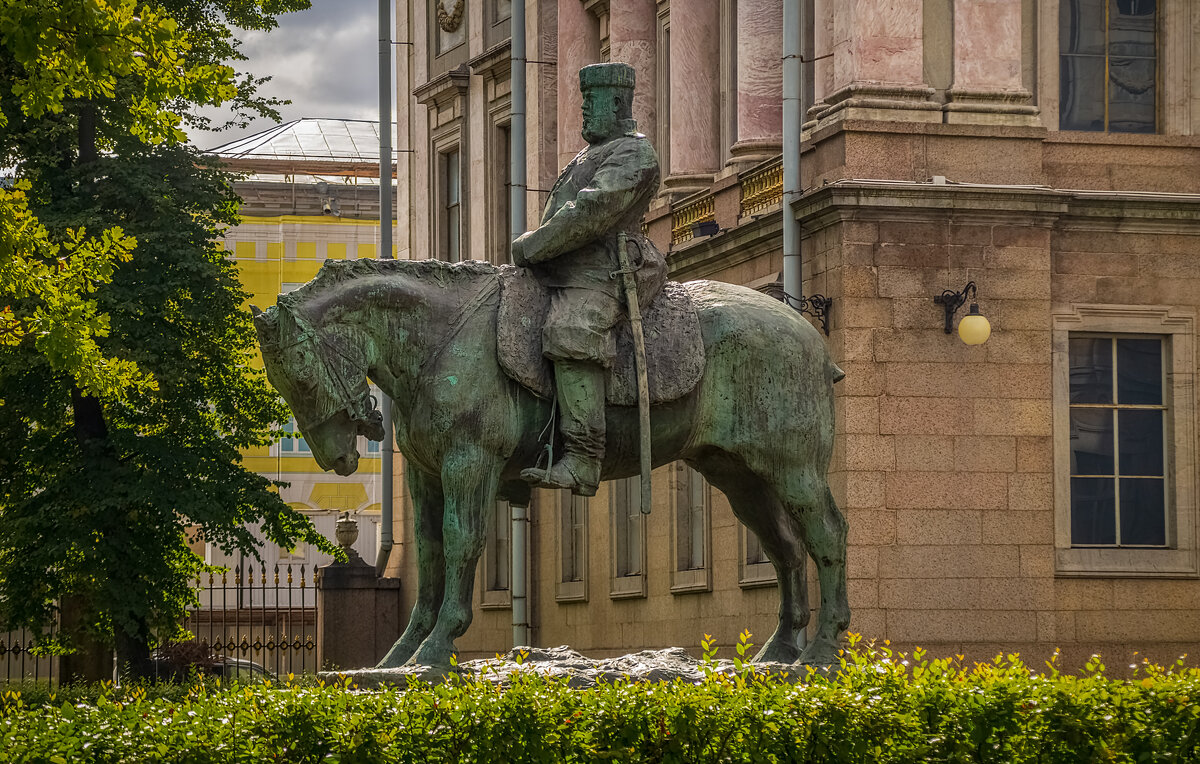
(604, 191)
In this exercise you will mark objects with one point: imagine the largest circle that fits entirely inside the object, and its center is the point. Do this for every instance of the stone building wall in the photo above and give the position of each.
(932, 156)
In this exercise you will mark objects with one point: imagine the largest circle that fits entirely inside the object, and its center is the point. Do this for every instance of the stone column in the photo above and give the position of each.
(633, 38)
(578, 46)
(759, 80)
(987, 65)
(822, 66)
(695, 102)
(877, 70)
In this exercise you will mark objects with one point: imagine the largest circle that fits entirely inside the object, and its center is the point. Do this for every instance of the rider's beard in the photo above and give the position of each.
(598, 129)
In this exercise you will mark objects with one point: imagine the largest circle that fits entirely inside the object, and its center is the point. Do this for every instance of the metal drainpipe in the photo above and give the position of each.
(793, 83)
(793, 278)
(517, 186)
(385, 253)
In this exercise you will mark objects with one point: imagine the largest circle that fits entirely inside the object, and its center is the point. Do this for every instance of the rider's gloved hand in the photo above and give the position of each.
(518, 251)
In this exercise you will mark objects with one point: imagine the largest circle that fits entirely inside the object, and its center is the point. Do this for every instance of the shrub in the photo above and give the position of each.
(879, 707)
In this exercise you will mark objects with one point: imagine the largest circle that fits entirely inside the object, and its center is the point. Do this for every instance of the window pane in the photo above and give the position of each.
(452, 238)
(1143, 519)
(1139, 372)
(1131, 95)
(1081, 93)
(1131, 26)
(754, 550)
(1093, 511)
(697, 524)
(1141, 442)
(1091, 370)
(452, 178)
(634, 518)
(499, 561)
(1081, 26)
(1092, 442)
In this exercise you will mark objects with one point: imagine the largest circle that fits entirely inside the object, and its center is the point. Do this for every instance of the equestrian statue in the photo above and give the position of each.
(506, 378)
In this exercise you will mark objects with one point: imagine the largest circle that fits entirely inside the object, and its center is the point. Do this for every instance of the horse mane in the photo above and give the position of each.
(336, 272)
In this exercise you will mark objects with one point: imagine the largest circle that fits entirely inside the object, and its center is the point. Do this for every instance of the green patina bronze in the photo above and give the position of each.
(758, 425)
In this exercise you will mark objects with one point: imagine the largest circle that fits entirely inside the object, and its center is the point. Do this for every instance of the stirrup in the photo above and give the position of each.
(558, 476)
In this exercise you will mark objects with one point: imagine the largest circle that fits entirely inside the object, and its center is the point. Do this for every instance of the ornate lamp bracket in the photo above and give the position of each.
(816, 305)
(951, 301)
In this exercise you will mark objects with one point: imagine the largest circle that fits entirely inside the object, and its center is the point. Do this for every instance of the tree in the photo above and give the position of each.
(104, 476)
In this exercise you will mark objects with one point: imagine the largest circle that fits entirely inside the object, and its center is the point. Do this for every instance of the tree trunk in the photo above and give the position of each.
(133, 655)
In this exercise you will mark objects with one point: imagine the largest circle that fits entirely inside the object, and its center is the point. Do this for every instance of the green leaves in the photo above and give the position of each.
(47, 291)
(873, 710)
(82, 49)
(124, 351)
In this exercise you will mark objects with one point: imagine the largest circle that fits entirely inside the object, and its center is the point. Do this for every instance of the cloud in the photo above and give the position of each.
(325, 60)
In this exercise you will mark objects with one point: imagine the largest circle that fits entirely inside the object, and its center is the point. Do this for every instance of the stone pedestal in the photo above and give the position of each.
(359, 615)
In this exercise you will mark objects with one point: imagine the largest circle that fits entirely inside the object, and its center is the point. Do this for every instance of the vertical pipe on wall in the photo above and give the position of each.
(385, 253)
(793, 103)
(518, 175)
(793, 278)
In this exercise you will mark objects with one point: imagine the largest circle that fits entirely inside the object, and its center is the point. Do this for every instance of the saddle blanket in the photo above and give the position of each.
(674, 346)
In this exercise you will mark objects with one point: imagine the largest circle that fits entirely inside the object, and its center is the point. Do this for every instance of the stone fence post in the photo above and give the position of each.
(359, 613)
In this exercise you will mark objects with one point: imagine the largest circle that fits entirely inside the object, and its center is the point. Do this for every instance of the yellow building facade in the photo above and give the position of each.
(310, 194)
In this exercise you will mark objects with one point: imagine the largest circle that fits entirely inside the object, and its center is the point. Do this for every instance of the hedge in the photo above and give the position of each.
(880, 707)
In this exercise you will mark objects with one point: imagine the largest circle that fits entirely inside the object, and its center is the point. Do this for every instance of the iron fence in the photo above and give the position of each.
(268, 616)
(20, 661)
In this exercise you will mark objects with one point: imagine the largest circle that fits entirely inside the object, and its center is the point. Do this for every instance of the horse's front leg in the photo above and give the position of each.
(469, 481)
(427, 501)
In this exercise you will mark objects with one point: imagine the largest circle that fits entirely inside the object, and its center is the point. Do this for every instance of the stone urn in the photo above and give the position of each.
(346, 531)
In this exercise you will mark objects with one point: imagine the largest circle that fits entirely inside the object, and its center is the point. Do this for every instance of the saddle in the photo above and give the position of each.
(674, 346)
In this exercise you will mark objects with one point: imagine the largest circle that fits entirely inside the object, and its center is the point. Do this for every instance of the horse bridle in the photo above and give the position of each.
(357, 402)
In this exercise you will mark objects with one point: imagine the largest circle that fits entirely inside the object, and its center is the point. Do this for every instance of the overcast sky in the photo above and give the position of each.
(325, 60)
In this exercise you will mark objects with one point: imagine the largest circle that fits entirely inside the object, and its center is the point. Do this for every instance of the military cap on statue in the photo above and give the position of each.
(614, 75)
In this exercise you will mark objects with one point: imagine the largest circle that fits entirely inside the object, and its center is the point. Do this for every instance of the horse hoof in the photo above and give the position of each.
(819, 656)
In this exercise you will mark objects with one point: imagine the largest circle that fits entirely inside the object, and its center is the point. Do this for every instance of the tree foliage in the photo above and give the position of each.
(125, 370)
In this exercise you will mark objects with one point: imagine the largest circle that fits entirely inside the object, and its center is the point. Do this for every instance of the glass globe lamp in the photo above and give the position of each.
(974, 328)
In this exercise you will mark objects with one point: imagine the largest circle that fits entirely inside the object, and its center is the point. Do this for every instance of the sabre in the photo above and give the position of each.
(639, 353)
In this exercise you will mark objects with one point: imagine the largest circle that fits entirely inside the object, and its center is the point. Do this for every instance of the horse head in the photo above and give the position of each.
(321, 371)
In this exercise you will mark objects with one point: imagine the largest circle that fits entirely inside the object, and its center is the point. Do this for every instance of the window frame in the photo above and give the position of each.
(574, 590)
(1173, 81)
(1106, 57)
(624, 501)
(445, 225)
(752, 574)
(683, 482)
(492, 598)
(1177, 328)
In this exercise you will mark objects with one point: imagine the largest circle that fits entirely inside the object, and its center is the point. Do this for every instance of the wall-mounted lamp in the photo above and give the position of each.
(973, 329)
(705, 228)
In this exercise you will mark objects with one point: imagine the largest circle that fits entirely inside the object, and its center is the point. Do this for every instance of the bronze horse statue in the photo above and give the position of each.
(758, 426)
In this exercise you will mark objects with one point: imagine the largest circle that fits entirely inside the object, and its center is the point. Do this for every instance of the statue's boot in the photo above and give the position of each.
(579, 387)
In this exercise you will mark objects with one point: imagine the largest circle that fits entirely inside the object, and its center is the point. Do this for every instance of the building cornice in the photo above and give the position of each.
(1144, 212)
(444, 87)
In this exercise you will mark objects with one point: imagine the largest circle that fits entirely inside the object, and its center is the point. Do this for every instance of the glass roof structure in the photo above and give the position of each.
(306, 150)
(309, 139)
